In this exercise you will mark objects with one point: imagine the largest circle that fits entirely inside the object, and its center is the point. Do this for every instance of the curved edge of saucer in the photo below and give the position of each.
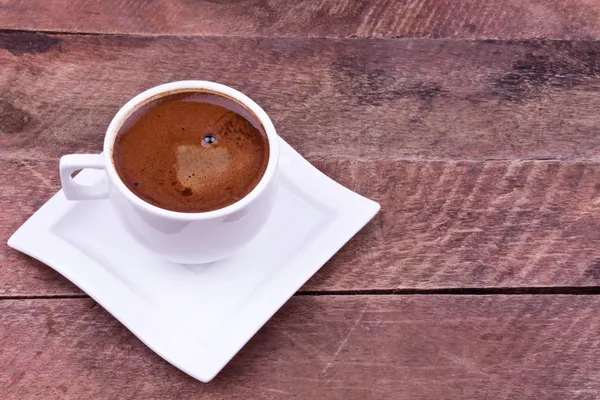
(18, 241)
(286, 148)
(39, 226)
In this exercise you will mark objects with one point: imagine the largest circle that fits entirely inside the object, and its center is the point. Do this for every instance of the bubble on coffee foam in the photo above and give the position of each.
(209, 138)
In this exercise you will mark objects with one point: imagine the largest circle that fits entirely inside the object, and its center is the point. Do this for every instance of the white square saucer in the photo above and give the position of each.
(197, 317)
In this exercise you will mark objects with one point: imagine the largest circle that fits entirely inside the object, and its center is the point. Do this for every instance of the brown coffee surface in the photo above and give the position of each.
(184, 153)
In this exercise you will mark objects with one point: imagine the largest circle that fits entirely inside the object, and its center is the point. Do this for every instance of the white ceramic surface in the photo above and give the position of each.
(198, 317)
(188, 238)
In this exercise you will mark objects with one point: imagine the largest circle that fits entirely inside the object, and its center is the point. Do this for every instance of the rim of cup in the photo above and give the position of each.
(171, 88)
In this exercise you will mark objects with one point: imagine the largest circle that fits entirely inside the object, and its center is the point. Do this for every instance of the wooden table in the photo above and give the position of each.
(473, 122)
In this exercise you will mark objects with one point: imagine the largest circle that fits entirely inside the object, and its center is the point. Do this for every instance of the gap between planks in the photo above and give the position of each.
(292, 37)
(399, 158)
(534, 291)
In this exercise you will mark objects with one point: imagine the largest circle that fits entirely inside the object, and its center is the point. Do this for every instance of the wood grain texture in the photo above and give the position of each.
(345, 99)
(470, 19)
(432, 129)
(334, 347)
(452, 224)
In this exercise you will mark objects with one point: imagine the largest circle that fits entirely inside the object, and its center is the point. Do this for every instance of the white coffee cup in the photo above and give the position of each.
(187, 238)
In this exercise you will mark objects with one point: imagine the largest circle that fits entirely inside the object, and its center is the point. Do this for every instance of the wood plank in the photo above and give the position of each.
(325, 347)
(452, 224)
(331, 18)
(330, 98)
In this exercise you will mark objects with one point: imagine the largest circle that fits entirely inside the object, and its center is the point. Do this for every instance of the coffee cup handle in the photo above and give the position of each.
(75, 191)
